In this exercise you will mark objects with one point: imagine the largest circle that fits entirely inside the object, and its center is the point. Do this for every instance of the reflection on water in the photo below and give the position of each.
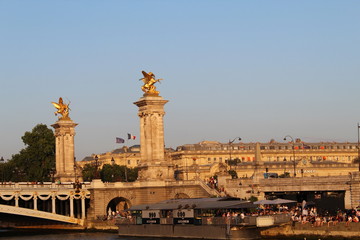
(75, 236)
(68, 236)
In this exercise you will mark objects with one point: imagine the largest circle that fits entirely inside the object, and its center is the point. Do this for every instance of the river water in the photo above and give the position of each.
(75, 236)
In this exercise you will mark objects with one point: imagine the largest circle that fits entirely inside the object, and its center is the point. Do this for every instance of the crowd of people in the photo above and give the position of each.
(307, 215)
(310, 215)
(213, 183)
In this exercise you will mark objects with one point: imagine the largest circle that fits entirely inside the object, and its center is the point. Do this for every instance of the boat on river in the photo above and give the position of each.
(198, 218)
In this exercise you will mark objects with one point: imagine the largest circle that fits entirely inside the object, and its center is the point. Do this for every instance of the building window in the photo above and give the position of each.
(129, 162)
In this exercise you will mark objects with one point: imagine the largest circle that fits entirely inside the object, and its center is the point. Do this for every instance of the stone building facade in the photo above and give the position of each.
(208, 158)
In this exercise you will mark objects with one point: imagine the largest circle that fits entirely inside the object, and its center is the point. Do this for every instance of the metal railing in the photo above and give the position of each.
(233, 221)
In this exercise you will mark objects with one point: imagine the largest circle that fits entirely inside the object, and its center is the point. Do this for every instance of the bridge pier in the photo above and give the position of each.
(53, 203)
(35, 202)
(347, 199)
(83, 213)
(16, 200)
(71, 206)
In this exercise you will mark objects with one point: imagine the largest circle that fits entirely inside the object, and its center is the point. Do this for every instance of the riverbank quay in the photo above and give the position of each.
(340, 231)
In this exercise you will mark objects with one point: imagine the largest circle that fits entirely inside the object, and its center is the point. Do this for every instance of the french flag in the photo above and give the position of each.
(130, 136)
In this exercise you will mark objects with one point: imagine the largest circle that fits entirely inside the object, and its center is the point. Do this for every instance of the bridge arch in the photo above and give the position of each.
(118, 204)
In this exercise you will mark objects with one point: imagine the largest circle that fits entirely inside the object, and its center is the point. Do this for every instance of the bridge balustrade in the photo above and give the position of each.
(32, 185)
(58, 199)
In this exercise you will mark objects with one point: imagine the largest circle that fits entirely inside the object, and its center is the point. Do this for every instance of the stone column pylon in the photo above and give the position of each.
(65, 151)
(153, 164)
(258, 164)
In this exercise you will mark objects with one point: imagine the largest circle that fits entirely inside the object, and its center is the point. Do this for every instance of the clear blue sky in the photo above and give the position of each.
(251, 69)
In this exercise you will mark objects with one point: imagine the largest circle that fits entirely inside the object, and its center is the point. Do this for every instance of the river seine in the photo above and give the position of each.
(75, 236)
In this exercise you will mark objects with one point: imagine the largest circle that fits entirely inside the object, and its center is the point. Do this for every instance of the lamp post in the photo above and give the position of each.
(126, 163)
(112, 168)
(75, 168)
(2, 169)
(52, 174)
(126, 176)
(230, 148)
(293, 148)
(96, 158)
(186, 169)
(75, 172)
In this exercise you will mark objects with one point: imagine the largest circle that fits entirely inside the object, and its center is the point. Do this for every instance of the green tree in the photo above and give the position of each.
(34, 162)
(132, 174)
(110, 173)
(116, 173)
(89, 172)
(253, 198)
(233, 173)
(284, 175)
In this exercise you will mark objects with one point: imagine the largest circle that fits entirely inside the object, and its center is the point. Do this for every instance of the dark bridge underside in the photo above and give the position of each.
(11, 221)
(330, 201)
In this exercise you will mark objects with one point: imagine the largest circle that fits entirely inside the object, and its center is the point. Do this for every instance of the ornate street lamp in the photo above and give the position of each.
(96, 158)
(112, 169)
(75, 172)
(52, 174)
(230, 148)
(75, 168)
(293, 148)
(3, 169)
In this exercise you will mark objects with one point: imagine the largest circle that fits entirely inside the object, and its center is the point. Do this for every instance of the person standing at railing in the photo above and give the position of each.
(228, 221)
(242, 217)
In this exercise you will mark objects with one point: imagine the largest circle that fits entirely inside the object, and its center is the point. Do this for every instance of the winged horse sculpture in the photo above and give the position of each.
(62, 109)
(149, 81)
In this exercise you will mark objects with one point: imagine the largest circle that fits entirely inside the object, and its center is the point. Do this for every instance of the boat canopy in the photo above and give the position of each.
(196, 203)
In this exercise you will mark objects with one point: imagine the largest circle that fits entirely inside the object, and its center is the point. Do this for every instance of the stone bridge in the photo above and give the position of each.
(55, 202)
(347, 185)
(119, 195)
(63, 203)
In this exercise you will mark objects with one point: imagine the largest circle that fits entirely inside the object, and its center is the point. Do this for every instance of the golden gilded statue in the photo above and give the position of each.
(62, 109)
(149, 81)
